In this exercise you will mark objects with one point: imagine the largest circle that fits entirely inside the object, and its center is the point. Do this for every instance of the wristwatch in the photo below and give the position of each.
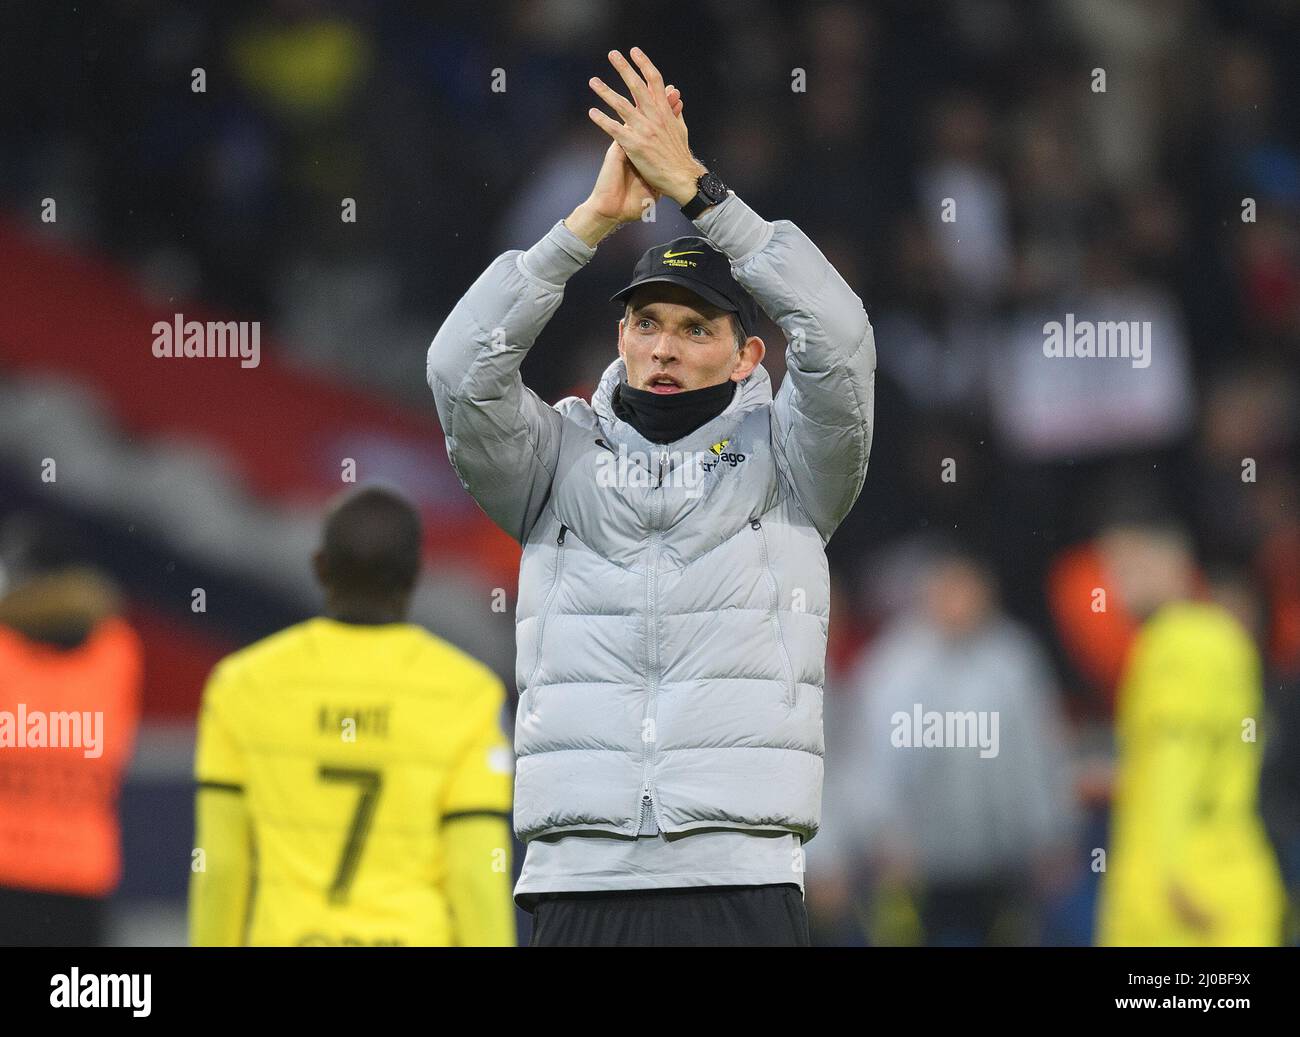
(710, 190)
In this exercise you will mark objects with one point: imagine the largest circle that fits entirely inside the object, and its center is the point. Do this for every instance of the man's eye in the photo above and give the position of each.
(701, 327)
(643, 320)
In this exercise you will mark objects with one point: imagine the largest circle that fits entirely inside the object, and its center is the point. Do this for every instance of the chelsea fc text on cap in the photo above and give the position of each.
(695, 264)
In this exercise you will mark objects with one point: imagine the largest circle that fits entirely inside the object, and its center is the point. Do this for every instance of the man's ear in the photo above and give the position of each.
(622, 355)
(748, 357)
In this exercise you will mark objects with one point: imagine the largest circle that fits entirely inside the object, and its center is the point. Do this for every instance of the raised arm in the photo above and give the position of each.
(822, 415)
(503, 440)
(823, 412)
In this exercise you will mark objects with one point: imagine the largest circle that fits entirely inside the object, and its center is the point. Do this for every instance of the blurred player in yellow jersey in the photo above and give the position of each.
(354, 785)
(1188, 863)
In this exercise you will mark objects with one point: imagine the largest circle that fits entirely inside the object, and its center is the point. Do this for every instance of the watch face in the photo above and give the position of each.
(712, 187)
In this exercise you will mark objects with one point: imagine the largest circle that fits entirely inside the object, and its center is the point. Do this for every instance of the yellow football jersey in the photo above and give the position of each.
(1184, 808)
(353, 745)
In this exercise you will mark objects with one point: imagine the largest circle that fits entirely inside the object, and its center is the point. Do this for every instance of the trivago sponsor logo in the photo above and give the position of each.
(721, 455)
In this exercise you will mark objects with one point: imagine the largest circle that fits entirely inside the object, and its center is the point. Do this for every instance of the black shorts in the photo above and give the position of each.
(698, 916)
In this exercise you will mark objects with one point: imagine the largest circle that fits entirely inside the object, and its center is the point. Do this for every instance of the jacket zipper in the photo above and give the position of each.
(756, 525)
(546, 611)
(647, 805)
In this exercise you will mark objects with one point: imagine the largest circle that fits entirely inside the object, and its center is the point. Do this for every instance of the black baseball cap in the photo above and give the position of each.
(695, 264)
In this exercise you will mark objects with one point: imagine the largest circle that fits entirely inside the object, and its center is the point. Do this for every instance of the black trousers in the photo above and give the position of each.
(698, 916)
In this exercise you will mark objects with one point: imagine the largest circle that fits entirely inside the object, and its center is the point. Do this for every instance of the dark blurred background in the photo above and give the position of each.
(225, 204)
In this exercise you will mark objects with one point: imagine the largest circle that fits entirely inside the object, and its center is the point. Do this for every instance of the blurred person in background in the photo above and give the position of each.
(354, 784)
(1239, 589)
(1247, 494)
(1279, 795)
(1091, 620)
(959, 841)
(65, 651)
(1188, 862)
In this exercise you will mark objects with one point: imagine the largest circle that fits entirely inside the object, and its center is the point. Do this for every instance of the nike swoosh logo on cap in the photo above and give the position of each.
(674, 255)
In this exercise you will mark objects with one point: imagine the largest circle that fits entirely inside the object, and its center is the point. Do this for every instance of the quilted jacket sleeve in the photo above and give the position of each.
(823, 413)
(502, 439)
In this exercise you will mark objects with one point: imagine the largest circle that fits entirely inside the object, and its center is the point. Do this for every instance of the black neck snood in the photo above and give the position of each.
(667, 417)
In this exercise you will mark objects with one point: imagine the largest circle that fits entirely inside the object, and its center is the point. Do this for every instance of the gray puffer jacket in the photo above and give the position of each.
(673, 599)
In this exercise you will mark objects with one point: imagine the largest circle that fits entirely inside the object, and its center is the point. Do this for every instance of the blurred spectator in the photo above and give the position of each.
(1138, 47)
(971, 833)
(70, 682)
(975, 235)
(1049, 406)
(1092, 623)
(1248, 502)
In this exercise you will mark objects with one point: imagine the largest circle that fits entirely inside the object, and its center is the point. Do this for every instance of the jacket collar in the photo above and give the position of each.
(752, 392)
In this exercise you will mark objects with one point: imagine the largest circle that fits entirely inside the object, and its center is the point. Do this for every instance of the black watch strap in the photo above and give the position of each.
(710, 190)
